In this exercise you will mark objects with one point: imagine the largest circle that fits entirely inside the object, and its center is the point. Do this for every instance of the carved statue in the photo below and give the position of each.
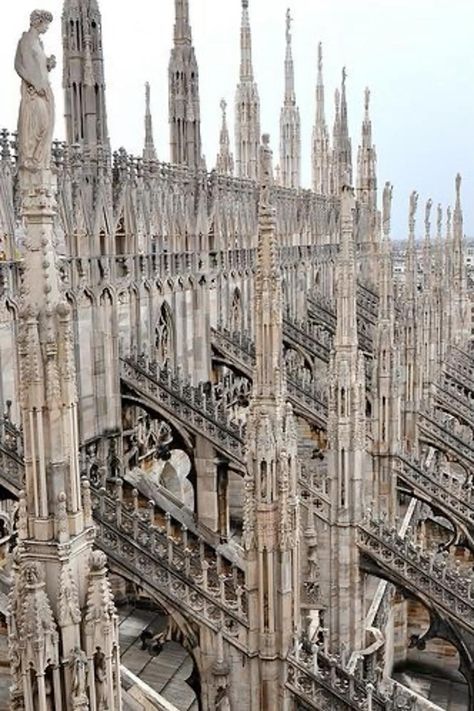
(265, 169)
(387, 206)
(413, 204)
(78, 665)
(100, 677)
(36, 117)
(427, 216)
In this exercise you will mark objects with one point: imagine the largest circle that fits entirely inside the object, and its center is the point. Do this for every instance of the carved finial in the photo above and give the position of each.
(337, 100)
(320, 57)
(439, 219)
(245, 4)
(344, 77)
(223, 106)
(448, 220)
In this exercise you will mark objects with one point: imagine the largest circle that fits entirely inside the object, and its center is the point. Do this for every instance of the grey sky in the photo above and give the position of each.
(415, 55)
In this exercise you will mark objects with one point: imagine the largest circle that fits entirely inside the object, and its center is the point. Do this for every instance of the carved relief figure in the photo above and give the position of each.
(36, 118)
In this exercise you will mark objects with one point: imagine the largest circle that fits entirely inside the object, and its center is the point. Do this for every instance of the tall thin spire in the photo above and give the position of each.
(290, 125)
(342, 143)
(83, 76)
(247, 106)
(367, 162)
(149, 152)
(271, 519)
(246, 67)
(184, 102)
(320, 143)
(225, 159)
(290, 97)
(346, 429)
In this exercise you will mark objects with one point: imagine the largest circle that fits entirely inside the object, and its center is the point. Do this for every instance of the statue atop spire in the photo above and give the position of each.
(36, 116)
(429, 205)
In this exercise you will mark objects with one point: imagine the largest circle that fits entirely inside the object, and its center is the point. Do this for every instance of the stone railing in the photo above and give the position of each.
(169, 558)
(432, 425)
(459, 372)
(437, 487)
(323, 310)
(451, 398)
(197, 411)
(166, 559)
(367, 302)
(426, 574)
(321, 682)
(303, 335)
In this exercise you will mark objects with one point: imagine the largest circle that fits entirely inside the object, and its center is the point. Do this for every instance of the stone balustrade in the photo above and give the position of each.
(428, 575)
(169, 561)
(196, 409)
(434, 427)
(450, 397)
(321, 682)
(438, 487)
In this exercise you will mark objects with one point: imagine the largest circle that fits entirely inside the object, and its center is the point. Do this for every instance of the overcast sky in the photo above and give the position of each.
(416, 56)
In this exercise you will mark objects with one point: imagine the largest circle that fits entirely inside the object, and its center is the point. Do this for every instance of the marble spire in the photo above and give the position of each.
(247, 106)
(149, 151)
(367, 162)
(290, 125)
(225, 159)
(184, 101)
(320, 143)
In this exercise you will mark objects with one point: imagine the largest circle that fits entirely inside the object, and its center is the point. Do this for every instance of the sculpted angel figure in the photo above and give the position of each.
(36, 118)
